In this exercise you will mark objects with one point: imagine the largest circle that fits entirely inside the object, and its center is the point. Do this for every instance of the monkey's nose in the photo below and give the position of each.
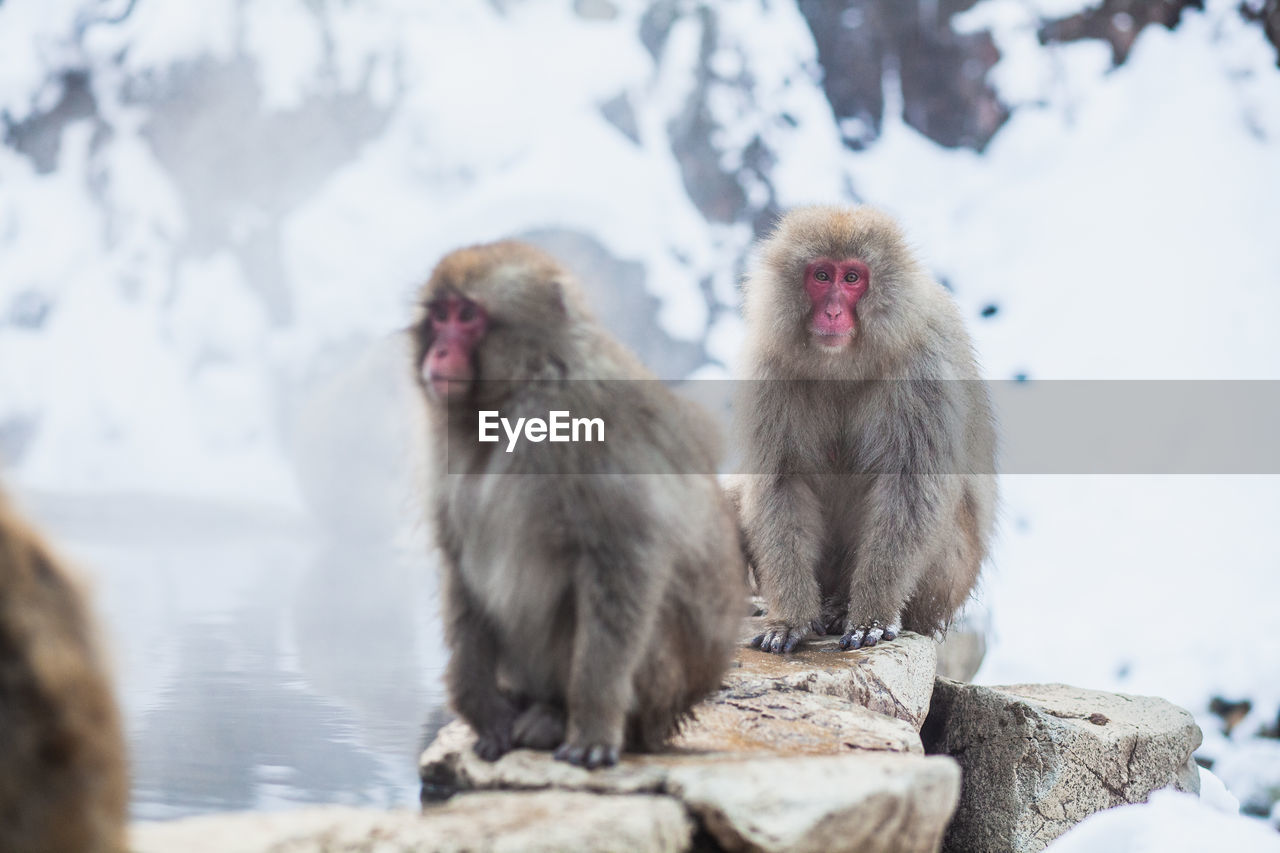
(832, 314)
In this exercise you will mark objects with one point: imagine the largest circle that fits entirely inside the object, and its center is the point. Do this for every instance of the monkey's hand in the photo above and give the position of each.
(857, 635)
(494, 738)
(781, 638)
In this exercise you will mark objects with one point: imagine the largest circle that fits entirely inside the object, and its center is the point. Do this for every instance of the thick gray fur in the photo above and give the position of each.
(592, 592)
(868, 496)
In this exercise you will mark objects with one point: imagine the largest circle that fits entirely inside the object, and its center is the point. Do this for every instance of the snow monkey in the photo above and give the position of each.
(592, 590)
(63, 780)
(869, 492)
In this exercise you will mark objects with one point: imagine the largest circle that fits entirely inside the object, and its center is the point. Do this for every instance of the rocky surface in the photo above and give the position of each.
(1266, 13)
(962, 650)
(1037, 759)
(894, 678)
(856, 801)
(792, 722)
(960, 655)
(477, 823)
(816, 751)
(448, 766)
(871, 803)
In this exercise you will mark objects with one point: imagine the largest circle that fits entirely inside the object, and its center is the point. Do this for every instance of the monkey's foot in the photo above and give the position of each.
(590, 756)
(493, 744)
(540, 726)
(858, 636)
(782, 639)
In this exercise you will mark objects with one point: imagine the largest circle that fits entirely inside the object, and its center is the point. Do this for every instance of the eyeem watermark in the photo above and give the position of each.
(559, 426)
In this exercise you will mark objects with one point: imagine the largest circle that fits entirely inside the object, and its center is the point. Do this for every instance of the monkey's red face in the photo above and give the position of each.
(834, 288)
(456, 325)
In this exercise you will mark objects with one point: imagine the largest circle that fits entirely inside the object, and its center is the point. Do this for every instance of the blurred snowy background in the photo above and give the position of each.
(213, 216)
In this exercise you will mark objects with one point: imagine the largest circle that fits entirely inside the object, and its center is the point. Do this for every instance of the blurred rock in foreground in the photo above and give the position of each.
(477, 823)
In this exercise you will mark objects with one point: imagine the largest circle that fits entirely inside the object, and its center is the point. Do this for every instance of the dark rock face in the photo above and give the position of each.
(943, 73)
(1117, 22)
(1266, 13)
(717, 192)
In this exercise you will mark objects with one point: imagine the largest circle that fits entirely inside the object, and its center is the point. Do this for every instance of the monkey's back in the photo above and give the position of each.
(63, 782)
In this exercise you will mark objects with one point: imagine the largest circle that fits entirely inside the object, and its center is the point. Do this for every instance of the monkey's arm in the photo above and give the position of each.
(784, 533)
(617, 589)
(912, 492)
(471, 675)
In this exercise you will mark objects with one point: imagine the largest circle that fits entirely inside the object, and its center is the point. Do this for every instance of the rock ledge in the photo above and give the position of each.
(1037, 759)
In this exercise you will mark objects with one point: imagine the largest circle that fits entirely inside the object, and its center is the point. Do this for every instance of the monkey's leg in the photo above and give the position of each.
(951, 576)
(901, 514)
(616, 609)
(540, 726)
(786, 536)
(471, 675)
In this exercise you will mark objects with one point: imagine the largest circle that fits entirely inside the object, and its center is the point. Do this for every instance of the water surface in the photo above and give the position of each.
(260, 663)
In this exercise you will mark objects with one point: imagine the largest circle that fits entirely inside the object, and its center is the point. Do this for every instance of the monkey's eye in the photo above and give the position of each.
(468, 312)
(438, 312)
(821, 275)
(851, 276)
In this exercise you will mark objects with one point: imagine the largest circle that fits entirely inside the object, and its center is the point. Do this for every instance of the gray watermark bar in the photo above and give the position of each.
(1084, 427)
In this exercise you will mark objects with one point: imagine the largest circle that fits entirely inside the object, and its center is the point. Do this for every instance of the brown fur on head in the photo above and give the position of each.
(63, 782)
(778, 309)
(525, 302)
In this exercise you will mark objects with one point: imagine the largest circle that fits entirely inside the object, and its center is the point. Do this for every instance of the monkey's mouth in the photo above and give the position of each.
(448, 387)
(832, 339)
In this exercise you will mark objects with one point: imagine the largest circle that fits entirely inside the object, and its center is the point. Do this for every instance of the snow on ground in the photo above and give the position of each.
(1169, 823)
